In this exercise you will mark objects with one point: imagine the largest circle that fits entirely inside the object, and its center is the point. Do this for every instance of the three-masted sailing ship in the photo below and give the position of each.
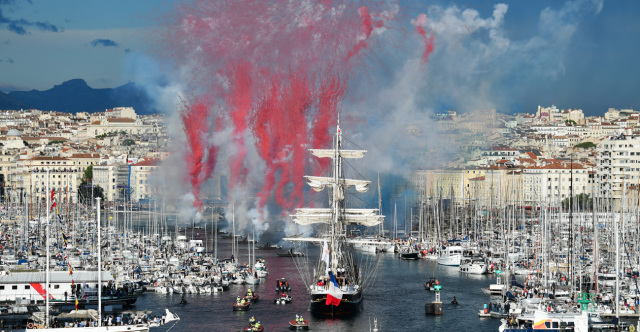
(336, 284)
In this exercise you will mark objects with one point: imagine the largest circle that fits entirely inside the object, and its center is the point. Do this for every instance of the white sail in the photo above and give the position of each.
(318, 183)
(330, 153)
(365, 217)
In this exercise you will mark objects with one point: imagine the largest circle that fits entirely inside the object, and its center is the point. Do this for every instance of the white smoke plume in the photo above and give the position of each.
(476, 66)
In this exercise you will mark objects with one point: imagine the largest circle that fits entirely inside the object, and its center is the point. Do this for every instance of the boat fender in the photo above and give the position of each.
(30, 325)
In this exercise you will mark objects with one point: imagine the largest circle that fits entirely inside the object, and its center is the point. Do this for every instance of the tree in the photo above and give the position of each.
(86, 190)
(128, 142)
(584, 201)
(585, 145)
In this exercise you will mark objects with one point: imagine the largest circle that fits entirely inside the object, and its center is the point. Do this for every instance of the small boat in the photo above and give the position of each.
(484, 314)
(473, 266)
(283, 299)
(451, 256)
(409, 255)
(253, 298)
(254, 328)
(430, 283)
(291, 253)
(299, 324)
(269, 246)
(241, 307)
(282, 285)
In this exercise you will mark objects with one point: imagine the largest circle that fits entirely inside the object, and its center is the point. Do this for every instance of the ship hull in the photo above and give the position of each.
(350, 305)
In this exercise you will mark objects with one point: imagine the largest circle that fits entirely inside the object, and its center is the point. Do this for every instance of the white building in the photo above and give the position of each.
(552, 182)
(142, 185)
(113, 178)
(618, 164)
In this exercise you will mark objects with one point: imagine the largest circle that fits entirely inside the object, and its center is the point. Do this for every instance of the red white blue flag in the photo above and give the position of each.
(335, 294)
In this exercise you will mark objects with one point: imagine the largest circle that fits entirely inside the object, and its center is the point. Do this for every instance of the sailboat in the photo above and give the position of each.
(336, 285)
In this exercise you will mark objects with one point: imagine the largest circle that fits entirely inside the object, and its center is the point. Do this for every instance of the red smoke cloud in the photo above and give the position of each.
(428, 40)
(201, 155)
(276, 70)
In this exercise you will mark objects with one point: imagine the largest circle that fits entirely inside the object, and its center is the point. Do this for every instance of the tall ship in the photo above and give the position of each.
(335, 282)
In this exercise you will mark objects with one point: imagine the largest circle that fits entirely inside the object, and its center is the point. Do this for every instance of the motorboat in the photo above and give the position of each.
(451, 256)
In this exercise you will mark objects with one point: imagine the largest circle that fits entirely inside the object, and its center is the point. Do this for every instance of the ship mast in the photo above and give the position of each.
(336, 226)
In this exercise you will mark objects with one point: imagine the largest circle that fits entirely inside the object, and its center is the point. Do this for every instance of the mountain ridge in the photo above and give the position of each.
(76, 95)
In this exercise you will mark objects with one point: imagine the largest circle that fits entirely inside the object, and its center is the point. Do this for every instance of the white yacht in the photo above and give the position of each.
(473, 266)
(451, 256)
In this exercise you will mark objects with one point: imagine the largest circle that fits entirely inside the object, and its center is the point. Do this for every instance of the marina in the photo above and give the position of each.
(503, 267)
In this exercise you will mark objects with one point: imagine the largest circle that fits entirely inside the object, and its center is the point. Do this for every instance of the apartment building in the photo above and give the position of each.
(113, 179)
(618, 164)
(141, 179)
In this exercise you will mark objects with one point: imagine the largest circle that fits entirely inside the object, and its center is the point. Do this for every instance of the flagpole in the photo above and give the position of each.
(46, 292)
(99, 268)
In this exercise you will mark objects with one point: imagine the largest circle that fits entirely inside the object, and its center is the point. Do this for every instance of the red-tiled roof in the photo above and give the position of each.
(121, 120)
(148, 162)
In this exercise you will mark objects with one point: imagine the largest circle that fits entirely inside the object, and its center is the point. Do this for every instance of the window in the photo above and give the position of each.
(56, 286)
(27, 286)
(14, 287)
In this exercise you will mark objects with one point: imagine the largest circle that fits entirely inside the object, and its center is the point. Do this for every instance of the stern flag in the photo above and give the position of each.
(76, 303)
(325, 255)
(335, 294)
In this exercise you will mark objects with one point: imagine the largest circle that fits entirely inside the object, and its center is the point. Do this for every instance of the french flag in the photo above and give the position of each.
(335, 294)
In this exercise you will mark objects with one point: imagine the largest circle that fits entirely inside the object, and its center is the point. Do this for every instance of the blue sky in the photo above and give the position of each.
(576, 54)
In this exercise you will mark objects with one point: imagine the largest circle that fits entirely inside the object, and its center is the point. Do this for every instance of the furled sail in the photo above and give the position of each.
(330, 153)
(318, 183)
(365, 217)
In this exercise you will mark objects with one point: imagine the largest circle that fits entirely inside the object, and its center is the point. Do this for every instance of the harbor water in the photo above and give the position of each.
(397, 300)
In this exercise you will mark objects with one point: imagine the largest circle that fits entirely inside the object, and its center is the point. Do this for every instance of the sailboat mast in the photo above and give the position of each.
(99, 266)
(46, 292)
(233, 230)
(617, 237)
(380, 206)
(215, 235)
